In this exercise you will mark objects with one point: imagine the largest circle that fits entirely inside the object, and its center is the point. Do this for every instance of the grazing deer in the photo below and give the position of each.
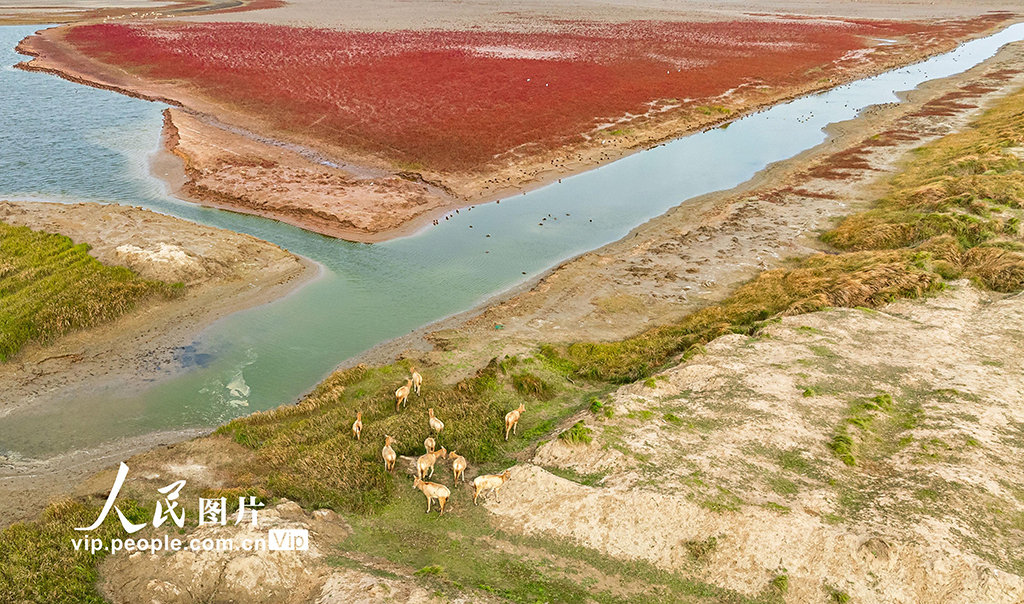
(357, 426)
(458, 466)
(512, 419)
(388, 453)
(426, 462)
(435, 424)
(489, 482)
(432, 490)
(417, 381)
(430, 444)
(402, 394)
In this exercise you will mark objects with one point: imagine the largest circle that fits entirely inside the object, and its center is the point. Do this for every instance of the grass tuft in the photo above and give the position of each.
(578, 434)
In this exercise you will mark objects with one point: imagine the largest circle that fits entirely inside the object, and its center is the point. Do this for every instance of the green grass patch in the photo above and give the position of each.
(49, 286)
(38, 562)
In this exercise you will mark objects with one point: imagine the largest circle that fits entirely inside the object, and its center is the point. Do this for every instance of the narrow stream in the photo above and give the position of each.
(67, 142)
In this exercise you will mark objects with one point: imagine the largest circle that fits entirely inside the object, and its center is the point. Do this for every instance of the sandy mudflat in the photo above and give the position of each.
(234, 172)
(528, 15)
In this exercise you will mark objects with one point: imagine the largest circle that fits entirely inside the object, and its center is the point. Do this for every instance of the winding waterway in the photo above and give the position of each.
(66, 142)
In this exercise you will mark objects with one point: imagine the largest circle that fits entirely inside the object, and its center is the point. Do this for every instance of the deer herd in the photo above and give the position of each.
(425, 463)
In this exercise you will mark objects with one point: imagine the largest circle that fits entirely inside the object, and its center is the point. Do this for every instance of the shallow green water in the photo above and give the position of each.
(66, 142)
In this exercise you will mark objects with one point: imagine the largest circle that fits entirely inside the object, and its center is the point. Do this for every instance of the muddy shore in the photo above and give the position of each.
(223, 273)
(340, 193)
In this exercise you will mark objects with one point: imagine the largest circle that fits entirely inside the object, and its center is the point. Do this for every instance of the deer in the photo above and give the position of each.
(458, 466)
(489, 482)
(430, 444)
(357, 426)
(426, 462)
(388, 453)
(512, 419)
(435, 424)
(417, 380)
(402, 395)
(432, 491)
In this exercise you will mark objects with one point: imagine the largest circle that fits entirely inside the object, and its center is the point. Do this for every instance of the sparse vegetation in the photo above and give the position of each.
(587, 480)
(779, 585)
(699, 550)
(50, 286)
(578, 434)
(837, 596)
(854, 279)
(713, 109)
(465, 553)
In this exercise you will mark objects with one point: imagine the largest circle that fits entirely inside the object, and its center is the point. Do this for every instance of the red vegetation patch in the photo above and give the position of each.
(950, 103)
(842, 165)
(458, 100)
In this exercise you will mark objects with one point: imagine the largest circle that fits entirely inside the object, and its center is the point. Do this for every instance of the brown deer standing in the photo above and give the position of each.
(417, 380)
(458, 466)
(357, 426)
(388, 454)
(435, 424)
(432, 491)
(402, 394)
(512, 419)
(426, 462)
(489, 482)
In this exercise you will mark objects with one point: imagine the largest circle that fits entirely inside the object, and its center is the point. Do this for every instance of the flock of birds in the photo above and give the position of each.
(425, 463)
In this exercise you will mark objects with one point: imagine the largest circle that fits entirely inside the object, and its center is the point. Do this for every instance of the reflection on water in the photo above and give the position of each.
(64, 141)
